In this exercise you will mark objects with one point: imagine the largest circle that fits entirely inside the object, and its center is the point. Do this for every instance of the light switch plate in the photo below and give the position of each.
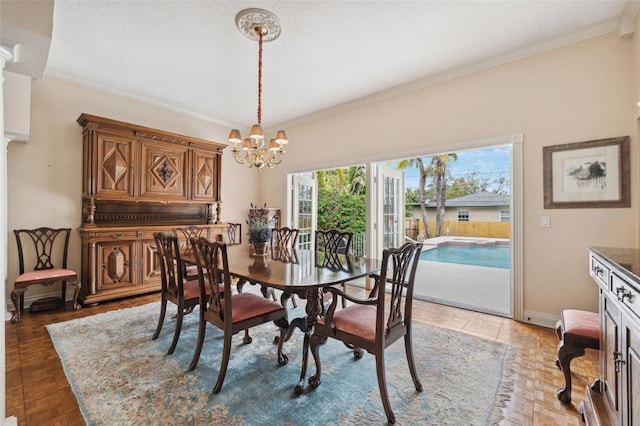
(544, 222)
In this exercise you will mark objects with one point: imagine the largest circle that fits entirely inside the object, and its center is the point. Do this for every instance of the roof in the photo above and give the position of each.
(480, 199)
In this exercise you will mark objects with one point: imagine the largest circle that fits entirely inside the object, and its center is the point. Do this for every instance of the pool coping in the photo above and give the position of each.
(433, 243)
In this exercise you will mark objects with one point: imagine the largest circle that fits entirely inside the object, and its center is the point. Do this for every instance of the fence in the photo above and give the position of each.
(414, 229)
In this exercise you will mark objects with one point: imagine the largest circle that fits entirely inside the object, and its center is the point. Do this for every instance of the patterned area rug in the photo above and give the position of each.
(120, 376)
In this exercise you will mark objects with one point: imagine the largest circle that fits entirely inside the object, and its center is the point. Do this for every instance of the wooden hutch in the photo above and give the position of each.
(137, 181)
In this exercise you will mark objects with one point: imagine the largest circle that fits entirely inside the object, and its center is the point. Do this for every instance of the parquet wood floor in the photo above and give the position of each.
(37, 392)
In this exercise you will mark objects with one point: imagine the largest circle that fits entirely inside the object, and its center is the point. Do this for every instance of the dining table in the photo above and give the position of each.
(295, 271)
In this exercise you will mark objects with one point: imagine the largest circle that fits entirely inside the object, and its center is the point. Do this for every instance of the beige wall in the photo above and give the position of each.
(571, 94)
(577, 93)
(44, 175)
(17, 96)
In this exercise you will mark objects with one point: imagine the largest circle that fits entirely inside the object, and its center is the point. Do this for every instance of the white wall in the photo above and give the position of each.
(571, 94)
(44, 174)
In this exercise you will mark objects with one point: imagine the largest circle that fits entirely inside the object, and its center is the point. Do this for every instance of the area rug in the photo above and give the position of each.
(121, 377)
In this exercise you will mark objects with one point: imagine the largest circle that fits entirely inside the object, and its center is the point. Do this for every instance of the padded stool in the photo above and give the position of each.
(576, 330)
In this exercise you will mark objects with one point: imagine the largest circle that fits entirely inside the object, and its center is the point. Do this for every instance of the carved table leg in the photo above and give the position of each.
(16, 296)
(76, 290)
(313, 309)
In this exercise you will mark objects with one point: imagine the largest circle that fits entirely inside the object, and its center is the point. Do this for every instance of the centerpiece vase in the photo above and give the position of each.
(260, 248)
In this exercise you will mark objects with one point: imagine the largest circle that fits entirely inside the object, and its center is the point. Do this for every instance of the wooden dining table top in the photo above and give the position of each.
(293, 269)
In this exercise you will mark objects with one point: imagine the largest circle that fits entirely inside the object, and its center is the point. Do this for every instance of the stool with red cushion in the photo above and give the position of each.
(576, 330)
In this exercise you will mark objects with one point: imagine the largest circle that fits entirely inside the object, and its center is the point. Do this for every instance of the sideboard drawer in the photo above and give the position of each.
(626, 294)
(599, 271)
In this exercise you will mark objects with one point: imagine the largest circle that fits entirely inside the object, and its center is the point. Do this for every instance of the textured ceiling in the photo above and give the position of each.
(189, 55)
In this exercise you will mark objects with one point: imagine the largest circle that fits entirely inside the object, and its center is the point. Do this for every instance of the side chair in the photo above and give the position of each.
(333, 243)
(49, 248)
(234, 233)
(283, 246)
(184, 236)
(177, 288)
(375, 323)
(231, 313)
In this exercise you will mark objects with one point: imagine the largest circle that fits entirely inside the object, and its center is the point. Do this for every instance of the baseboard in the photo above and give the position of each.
(11, 421)
(541, 319)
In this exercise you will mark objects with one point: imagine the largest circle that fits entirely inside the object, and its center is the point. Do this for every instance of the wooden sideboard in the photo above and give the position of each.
(137, 181)
(614, 398)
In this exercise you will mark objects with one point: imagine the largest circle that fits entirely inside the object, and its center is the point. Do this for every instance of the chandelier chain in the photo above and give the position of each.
(260, 76)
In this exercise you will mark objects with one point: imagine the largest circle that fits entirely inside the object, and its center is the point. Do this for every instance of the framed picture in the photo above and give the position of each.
(592, 174)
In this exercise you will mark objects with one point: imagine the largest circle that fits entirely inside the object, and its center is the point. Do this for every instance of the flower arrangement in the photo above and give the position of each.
(258, 221)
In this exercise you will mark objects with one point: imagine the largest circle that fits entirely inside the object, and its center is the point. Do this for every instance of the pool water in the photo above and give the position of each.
(492, 256)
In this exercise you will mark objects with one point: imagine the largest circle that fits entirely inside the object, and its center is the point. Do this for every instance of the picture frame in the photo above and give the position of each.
(591, 174)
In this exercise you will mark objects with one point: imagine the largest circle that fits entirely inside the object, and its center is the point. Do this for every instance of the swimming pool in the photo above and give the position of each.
(492, 256)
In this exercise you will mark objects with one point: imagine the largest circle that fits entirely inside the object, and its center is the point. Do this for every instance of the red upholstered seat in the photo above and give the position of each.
(247, 305)
(581, 328)
(577, 330)
(45, 275)
(359, 320)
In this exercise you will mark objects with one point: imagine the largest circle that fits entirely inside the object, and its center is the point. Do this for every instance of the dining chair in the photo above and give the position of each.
(231, 313)
(176, 288)
(234, 233)
(284, 237)
(283, 247)
(375, 323)
(49, 248)
(184, 236)
(333, 243)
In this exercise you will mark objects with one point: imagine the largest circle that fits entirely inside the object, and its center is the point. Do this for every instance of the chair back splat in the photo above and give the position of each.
(333, 243)
(375, 323)
(184, 236)
(234, 233)
(284, 238)
(49, 249)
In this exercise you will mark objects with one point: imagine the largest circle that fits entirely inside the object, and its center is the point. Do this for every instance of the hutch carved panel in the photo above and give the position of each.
(137, 181)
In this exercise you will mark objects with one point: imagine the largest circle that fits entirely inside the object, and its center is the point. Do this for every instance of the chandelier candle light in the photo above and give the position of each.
(261, 25)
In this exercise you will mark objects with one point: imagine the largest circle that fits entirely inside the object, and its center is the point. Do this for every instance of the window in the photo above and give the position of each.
(505, 216)
(463, 215)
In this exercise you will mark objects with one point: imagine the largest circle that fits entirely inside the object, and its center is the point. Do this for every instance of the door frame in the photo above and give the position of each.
(515, 140)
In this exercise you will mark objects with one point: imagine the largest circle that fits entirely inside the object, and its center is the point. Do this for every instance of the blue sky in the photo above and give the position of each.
(492, 162)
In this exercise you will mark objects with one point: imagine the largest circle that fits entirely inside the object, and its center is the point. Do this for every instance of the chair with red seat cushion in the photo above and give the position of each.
(176, 287)
(50, 248)
(375, 323)
(231, 313)
(184, 236)
(576, 330)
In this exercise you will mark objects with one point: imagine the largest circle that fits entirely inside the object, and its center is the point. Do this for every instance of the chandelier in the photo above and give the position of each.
(260, 25)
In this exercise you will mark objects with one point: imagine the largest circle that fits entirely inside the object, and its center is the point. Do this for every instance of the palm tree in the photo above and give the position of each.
(356, 179)
(413, 162)
(437, 168)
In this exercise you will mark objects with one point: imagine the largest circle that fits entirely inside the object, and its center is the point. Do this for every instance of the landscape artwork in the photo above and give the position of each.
(587, 174)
